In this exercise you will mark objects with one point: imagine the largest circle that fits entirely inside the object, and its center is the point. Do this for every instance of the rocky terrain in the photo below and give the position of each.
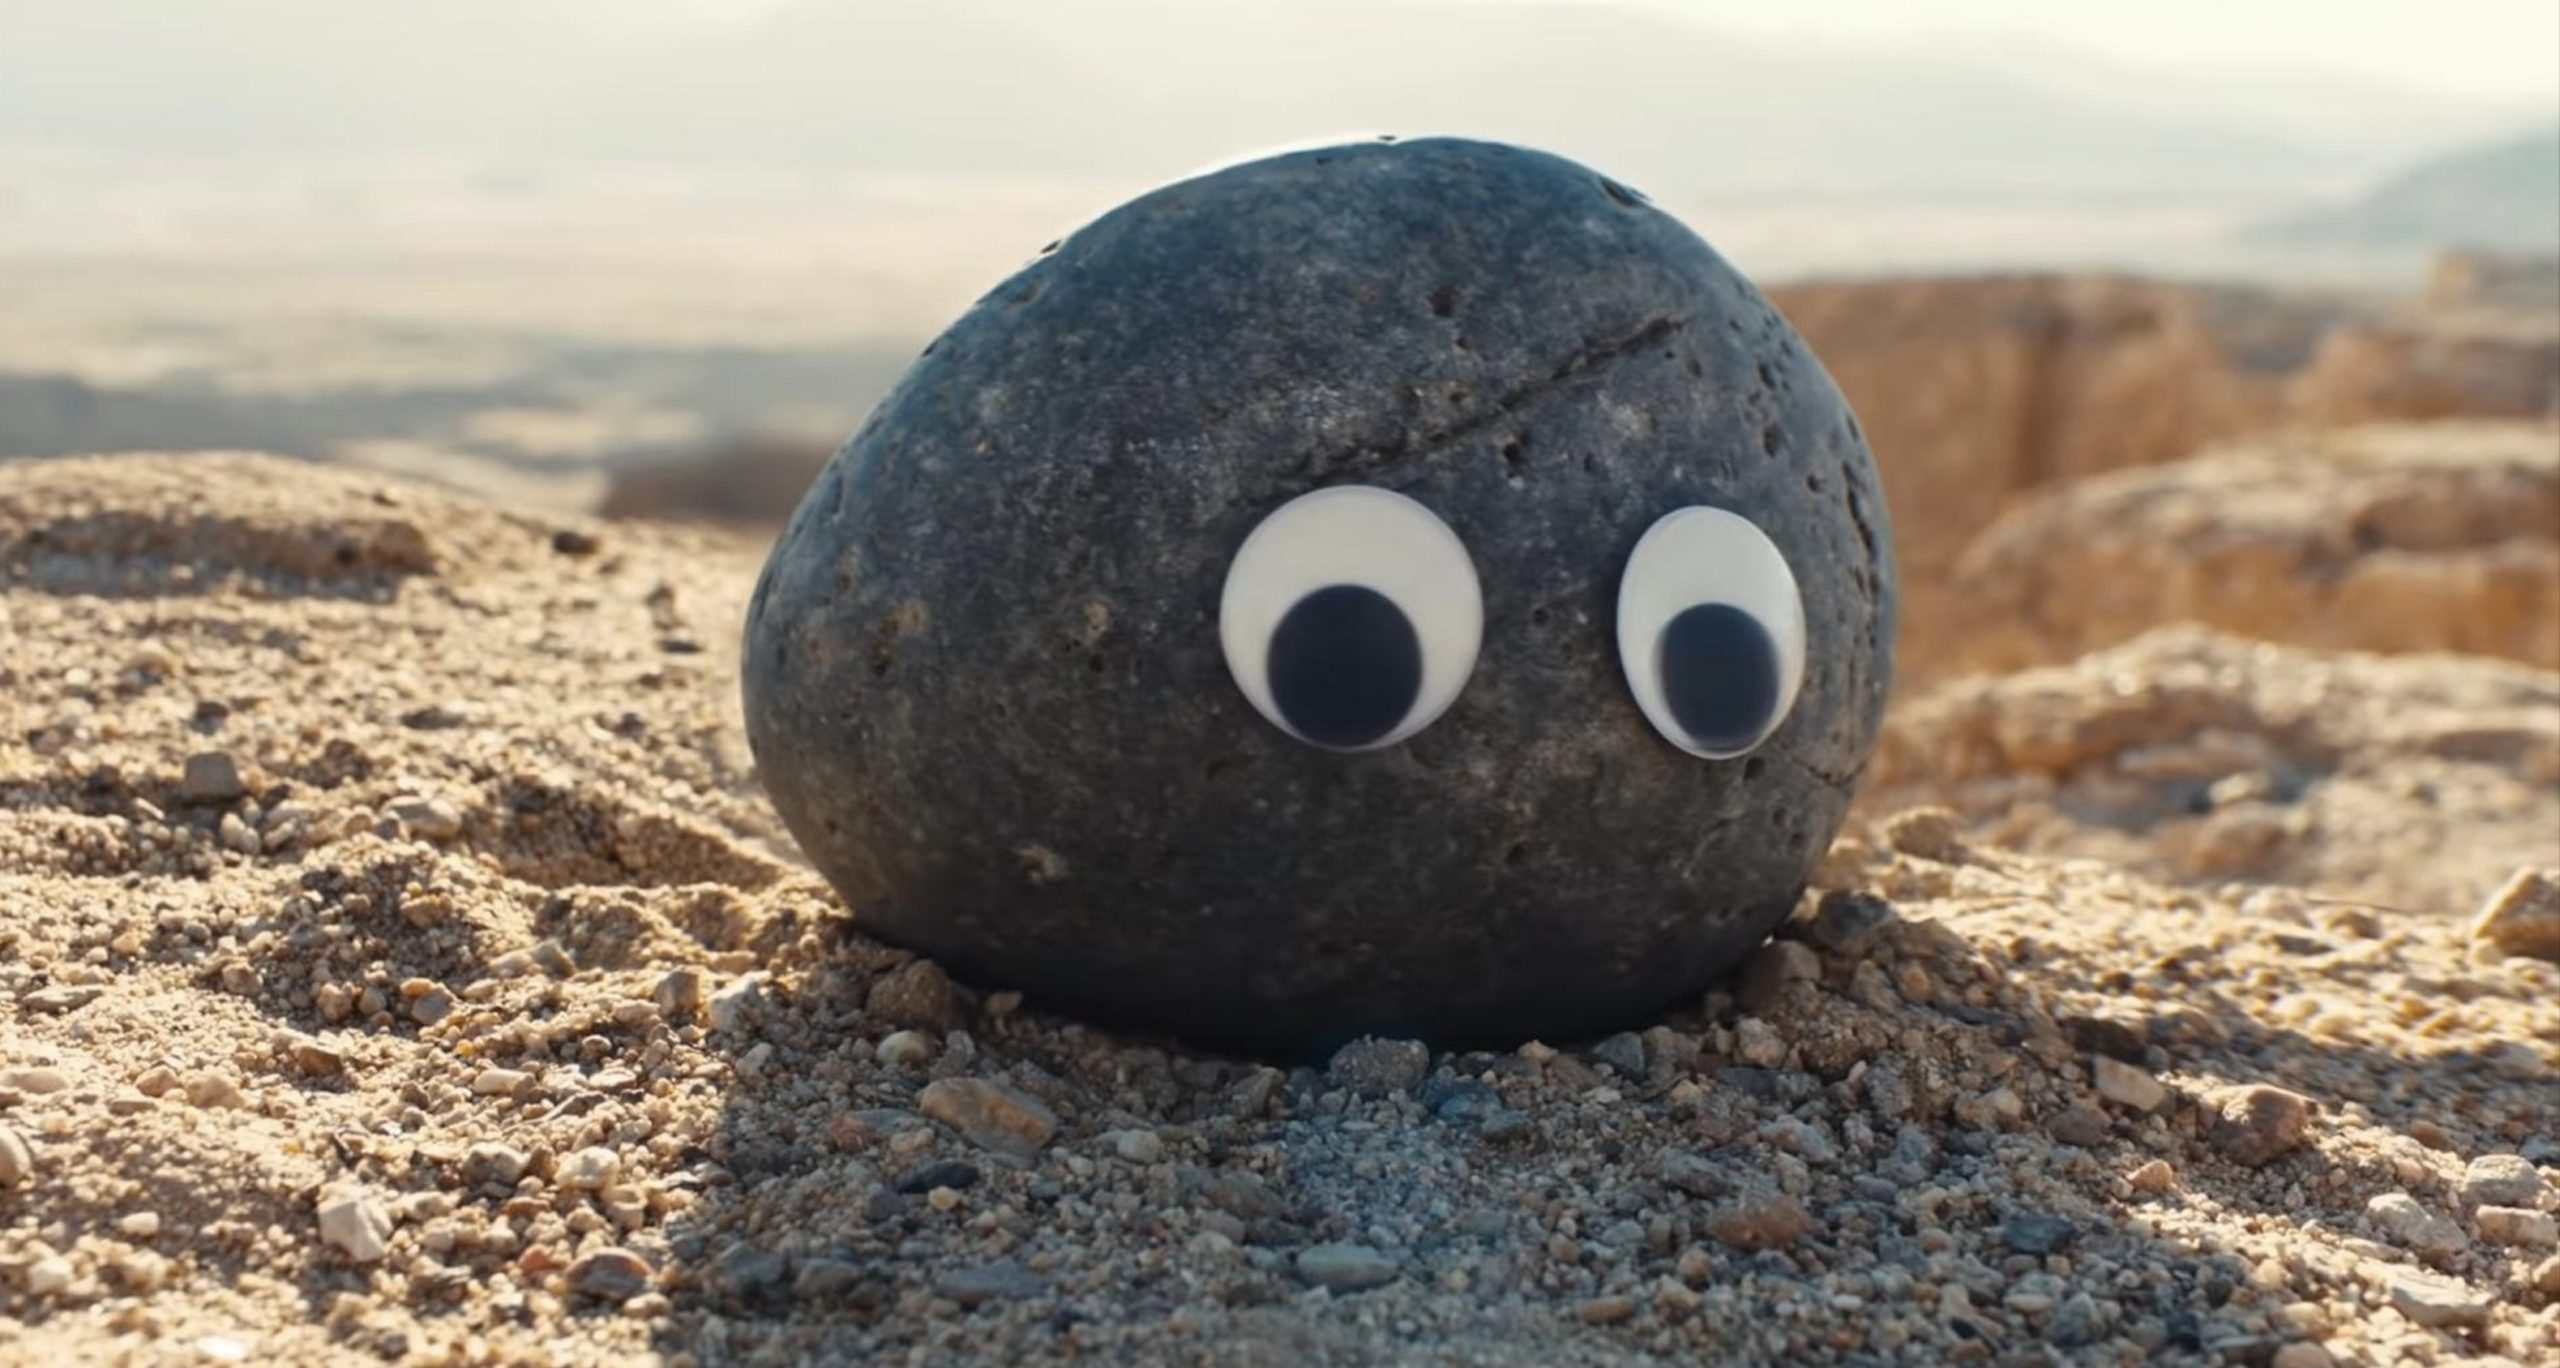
(397, 963)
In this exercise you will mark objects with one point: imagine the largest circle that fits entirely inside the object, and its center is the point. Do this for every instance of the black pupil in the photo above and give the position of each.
(1719, 673)
(1345, 666)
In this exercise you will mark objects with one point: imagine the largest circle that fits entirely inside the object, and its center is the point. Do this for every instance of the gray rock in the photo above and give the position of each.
(2501, 1180)
(1345, 1267)
(1845, 924)
(1378, 1067)
(211, 777)
(2032, 1233)
(1623, 1052)
(983, 677)
(1003, 1280)
(2437, 1302)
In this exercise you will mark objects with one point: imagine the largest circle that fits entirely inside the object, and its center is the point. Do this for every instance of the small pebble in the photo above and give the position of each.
(1139, 1146)
(2255, 1125)
(2516, 1226)
(590, 1169)
(1376, 1068)
(990, 1115)
(2407, 1223)
(2523, 916)
(2501, 1180)
(2437, 1302)
(1845, 925)
(610, 1274)
(1605, 1310)
(355, 1223)
(1345, 1267)
(918, 995)
(1763, 1220)
(2301, 1354)
(2155, 1177)
(2126, 1085)
(210, 777)
(1004, 1280)
(49, 1276)
(1623, 1052)
(2030, 1233)
(904, 1050)
(431, 819)
(17, 1161)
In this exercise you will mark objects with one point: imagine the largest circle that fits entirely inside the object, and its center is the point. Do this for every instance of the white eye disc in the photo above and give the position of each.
(1351, 617)
(1711, 632)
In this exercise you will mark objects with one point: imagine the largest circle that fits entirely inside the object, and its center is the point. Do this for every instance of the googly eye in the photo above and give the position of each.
(1351, 617)
(1711, 632)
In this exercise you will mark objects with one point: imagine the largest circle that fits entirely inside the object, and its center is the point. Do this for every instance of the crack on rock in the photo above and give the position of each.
(1407, 446)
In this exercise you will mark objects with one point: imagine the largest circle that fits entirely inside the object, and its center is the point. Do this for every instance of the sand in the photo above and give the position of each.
(397, 962)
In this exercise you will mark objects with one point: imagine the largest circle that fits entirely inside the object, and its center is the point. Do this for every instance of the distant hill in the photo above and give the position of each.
(2504, 196)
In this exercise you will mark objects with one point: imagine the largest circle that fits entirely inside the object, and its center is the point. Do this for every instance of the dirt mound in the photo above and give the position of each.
(2441, 537)
(397, 964)
(2419, 782)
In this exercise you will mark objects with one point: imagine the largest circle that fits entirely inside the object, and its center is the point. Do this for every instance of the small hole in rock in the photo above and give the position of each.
(1050, 246)
(1444, 301)
(1026, 294)
(1754, 767)
(1516, 856)
(1624, 196)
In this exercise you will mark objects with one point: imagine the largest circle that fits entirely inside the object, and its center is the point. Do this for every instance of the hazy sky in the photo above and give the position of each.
(2499, 48)
(2481, 47)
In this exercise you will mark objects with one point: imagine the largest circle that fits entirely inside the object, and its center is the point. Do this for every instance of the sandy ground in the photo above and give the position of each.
(397, 963)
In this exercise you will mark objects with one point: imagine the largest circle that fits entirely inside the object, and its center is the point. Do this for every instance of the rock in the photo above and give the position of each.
(734, 1007)
(1003, 1280)
(2155, 1177)
(492, 1164)
(1345, 1267)
(745, 1273)
(2080, 1124)
(1758, 1043)
(50, 1276)
(1929, 833)
(905, 1050)
(1845, 925)
(2406, 1223)
(2030, 1233)
(2508, 1225)
(432, 819)
(956, 1174)
(2257, 1124)
(589, 1170)
(990, 1115)
(2126, 1085)
(917, 994)
(37, 1081)
(495, 1082)
(1605, 1310)
(2437, 1302)
(681, 993)
(825, 1280)
(1691, 1174)
(1623, 1052)
(1779, 963)
(355, 1223)
(211, 777)
(61, 998)
(208, 1089)
(431, 1006)
(1763, 1220)
(1565, 408)
(17, 1161)
(2301, 1354)
(2546, 1276)
(609, 1274)
(1138, 1146)
(1377, 1068)
(317, 1060)
(2501, 1180)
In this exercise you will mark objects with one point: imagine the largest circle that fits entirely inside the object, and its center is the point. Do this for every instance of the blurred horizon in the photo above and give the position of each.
(535, 241)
